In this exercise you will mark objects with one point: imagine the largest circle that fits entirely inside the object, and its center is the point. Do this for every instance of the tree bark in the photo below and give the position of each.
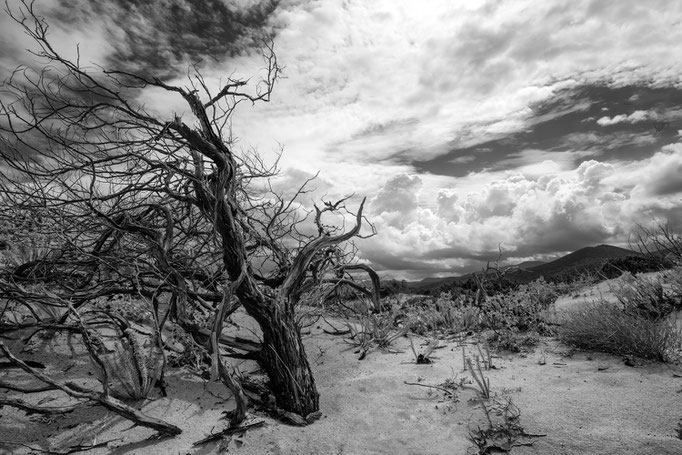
(282, 354)
(286, 363)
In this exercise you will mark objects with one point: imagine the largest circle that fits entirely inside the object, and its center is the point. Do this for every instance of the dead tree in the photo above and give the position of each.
(161, 207)
(660, 240)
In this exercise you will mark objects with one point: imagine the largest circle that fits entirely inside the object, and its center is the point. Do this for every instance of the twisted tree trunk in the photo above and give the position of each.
(286, 363)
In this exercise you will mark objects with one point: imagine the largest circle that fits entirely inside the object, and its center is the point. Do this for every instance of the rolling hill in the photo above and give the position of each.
(584, 259)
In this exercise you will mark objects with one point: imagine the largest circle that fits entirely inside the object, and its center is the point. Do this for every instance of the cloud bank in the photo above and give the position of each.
(540, 126)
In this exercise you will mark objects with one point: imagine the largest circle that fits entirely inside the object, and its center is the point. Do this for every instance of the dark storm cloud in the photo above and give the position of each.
(385, 261)
(568, 122)
(461, 252)
(561, 234)
(670, 184)
(161, 38)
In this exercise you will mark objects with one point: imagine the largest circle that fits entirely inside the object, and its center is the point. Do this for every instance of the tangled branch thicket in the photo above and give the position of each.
(118, 200)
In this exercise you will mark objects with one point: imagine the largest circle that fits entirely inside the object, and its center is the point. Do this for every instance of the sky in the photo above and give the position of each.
(472, 127)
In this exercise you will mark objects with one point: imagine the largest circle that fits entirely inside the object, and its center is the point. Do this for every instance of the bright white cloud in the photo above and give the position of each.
(592, 203)
(370, 82)
(372, 86)
(635, 117)
(382, 83)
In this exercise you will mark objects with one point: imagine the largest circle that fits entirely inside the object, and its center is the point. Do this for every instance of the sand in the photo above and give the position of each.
(583, 402)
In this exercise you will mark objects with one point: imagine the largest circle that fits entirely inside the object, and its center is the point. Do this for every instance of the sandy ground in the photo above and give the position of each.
(583, 402)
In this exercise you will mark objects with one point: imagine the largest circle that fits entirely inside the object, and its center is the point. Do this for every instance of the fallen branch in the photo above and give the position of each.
(30, 363)
(71, 449)
(107, 401)
(26, 389)
(233, 342)
(442, 389)
(229, 432)
(32, 408)
(336, 332)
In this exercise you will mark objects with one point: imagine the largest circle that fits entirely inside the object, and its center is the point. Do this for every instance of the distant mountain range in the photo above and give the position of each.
(584, 259)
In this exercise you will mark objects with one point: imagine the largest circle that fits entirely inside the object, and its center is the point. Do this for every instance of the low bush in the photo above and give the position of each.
(607, 327)
(375, 330)
(132, 368)
(445, 313)
(520, 310)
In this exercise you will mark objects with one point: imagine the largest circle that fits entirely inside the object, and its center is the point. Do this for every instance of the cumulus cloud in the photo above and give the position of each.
(397, 201)
(635, 117)
(387, 83)
(373, 88)
(528, 216)
(660, 174)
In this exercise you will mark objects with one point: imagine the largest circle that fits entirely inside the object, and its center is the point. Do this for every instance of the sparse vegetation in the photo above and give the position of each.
(518, 317)
(643, 322)
(133, 241)
(651, 297)
(424, 358)
(606, 327)
(476, 372)
(374, 330)
(130, 364)
(502, 430)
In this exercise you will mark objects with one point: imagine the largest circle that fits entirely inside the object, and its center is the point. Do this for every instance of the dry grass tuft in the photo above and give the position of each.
(606, 327)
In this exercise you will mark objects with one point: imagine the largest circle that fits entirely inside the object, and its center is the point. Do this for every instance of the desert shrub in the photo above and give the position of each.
(651, 297)
(514, 341)
(615, 267)
(576, 284)
(133, 367)
(520, 310)
(378, 329)
(519, 317)
(445, 313)
(673, 278)
(458, 314)
(606, 327)
(382, 330)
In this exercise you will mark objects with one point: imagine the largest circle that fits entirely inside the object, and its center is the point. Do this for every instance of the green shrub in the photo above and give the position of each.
(606, 327)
